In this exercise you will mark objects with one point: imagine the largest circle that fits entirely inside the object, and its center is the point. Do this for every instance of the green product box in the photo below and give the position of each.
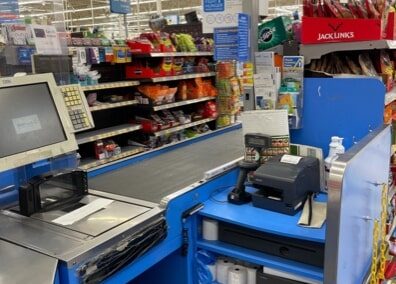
(274, 32)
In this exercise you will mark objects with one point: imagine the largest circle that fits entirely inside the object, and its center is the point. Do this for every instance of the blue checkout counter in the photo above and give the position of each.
(196, 188)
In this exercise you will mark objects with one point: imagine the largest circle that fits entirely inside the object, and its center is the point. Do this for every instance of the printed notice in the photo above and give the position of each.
(26, 124)
(289, 159)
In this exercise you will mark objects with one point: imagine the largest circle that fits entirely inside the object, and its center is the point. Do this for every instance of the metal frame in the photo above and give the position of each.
(31, 156)
(343, 192)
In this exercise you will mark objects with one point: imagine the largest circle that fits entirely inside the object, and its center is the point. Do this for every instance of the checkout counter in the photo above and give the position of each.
(139, 223)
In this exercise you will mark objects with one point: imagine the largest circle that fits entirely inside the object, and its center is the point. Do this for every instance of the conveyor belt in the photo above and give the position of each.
(153, 179)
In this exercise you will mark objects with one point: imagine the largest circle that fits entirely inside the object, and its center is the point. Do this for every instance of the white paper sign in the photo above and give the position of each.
(220, 14)
(270, 122)
(26, 124)
(46, 40)
(289, 159)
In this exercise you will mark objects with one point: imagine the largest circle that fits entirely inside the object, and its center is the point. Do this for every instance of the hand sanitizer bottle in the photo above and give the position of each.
(335, 149)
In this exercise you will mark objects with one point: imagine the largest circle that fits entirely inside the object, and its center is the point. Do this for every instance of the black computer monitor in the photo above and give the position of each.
(34, 123)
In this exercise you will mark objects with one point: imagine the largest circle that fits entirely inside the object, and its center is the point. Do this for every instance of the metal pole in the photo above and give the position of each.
(251, 8)
(159, 7)
(138, 15)
(92, 15)
(126, 26)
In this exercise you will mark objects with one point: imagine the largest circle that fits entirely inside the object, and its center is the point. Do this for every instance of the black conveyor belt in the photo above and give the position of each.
(155, 178)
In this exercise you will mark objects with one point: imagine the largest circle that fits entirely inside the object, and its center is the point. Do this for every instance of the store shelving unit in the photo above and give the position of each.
(113, 105)
(127, 151)
(178, 104)
(111, 85)
(182, 127)
(315, 51)
(173, 54)
(103, 133)
(179, 77)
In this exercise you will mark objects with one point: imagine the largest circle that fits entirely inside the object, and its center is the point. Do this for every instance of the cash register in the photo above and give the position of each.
(90, 234)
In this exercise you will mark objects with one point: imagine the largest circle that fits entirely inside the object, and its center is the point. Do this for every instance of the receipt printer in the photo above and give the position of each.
(284, 182)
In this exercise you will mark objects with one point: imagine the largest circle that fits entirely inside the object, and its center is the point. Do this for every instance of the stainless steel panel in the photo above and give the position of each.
(99, 222)
(353, 202)
(20, 266)
(36, 234)
(65, 244)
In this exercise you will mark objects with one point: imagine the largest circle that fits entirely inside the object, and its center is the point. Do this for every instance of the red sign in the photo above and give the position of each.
(325, 30)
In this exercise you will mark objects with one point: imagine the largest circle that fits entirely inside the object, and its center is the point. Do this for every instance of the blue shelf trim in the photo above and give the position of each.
(154, 153)
(259, 219)
(255, 257)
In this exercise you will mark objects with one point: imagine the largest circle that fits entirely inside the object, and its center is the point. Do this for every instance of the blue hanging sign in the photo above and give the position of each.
(120, 6)
(243, 37)
(9, 11)
(226, 43)
(213, 5)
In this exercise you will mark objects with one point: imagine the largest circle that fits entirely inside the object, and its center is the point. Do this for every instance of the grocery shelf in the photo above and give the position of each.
(181, 127)
(390, 96)
(260, 258)
(182, 103)
(113, 105)
(164, 147)
(315, 51)
(89, 163)
(179, 77)
(110, 85)
(91, 136)
(173, 54)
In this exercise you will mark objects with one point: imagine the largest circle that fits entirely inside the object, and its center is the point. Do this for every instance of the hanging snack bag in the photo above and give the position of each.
(367, 65)
(360, 9)
(331, 10)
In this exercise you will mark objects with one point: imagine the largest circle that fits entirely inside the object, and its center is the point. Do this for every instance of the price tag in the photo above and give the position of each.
(289, 159)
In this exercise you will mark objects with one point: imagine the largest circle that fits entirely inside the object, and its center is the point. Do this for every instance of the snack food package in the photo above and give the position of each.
(344, 11)
(367, 65)
(331, 10)
(387, 66)
(360, 9)
(371, 10)
(355, 69)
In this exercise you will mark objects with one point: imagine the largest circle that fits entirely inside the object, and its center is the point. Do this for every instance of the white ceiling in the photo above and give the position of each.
(89, 13)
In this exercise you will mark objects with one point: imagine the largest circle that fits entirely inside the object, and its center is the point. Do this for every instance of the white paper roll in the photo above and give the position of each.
(251, 275)
(222, 266)
(212, 269)
(237, 275)
(210, 230)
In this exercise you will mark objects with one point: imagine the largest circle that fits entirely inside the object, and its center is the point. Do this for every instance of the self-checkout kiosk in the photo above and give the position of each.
(56, 223)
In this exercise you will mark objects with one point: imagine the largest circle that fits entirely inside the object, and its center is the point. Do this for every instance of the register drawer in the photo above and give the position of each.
(290, 248)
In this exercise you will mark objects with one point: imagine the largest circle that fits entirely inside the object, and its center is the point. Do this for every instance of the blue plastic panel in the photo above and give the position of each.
(12, 179)
(347, 108)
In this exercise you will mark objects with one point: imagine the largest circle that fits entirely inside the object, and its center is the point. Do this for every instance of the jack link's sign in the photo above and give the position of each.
(322, 30)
